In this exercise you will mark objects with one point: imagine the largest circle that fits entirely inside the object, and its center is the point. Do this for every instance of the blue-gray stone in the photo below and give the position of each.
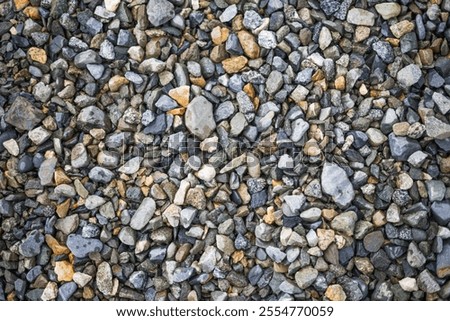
(82, 247)
(402, 147)
(31, 246)
(66, 291)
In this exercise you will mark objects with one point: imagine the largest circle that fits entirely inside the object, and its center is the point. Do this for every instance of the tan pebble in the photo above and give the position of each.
(20, 4)
(400, 129)
(404, 181)
(401, 28)
(61, 177)
(339, 83)
(379, 219)
(32, 12)
(54, 245)
(37, 54)
(234, 64)
(335, 292)
(50, 292)
(181, 95)
(116, 82)
(64, 271)
(361, 33)
(311, 148)
(329, 214)
(444, 165)
(249, 44)
(426, 56)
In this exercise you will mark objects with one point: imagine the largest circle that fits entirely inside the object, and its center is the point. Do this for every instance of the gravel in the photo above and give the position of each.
(224, 150)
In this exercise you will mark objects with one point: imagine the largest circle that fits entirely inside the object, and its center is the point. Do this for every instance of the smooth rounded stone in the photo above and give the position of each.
(441, 212)
(373, 241)
(414, 256)
(443, 261)
(82, 247)
(345, 223)
(360, 17)
(267, 39)
(299, 128)
(388, 10)
(108, 159)
(159, 12)
(93, 117)
(275, 254)
(101, 175)
(237, 123)
(402, 147)
(94, 201)
(306, 277)
(409, 75)
(79, 157)
(224, 111)
(408, 284)
(376, 137)
(325, 38)
(131, 166)
(274, 82)
(39, 135)
(66, 291)
(32, 244)
(427, 283)
(436, 190)
(104, 278)
(206, 173)
(65, 190)
(311, 215)
(229, 13)
(199, 117)
(336, 184)
(143, 214)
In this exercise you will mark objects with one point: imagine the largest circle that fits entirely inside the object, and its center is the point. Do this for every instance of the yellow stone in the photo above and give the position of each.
(249, 44)
(361, 33)
(444, 165)
(401, 28)
(63, 208)
(32, 12)
(181, 95)
(198, 81)
(54, 245)
(20, 4)
(311, 148)
(234, 64)
(177, 111)
(237, 256)
(326, 237)
(61, 177)
(116, 82)
(219, 35)
(328, 214)
(64, 271)
(339, 83)
(335, 293)
(37, 54)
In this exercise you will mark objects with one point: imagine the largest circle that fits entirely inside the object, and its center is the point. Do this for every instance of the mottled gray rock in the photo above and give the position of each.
(306, 277)
(159, 12)
(32, 244)
(82, 247)
(93, 117)
(199, 117)
(143, 214)
(336, 184)
(345, 223)
(402, 147)
(409, 75)
(23, 115)
(104, 279)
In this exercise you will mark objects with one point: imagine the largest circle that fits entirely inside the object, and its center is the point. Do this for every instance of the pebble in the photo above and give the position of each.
(160, 12)
(199, 117)
(336, 184)
(81, 247)
(360, 17)
(388, 10)
(104, 278)
(143, 214)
